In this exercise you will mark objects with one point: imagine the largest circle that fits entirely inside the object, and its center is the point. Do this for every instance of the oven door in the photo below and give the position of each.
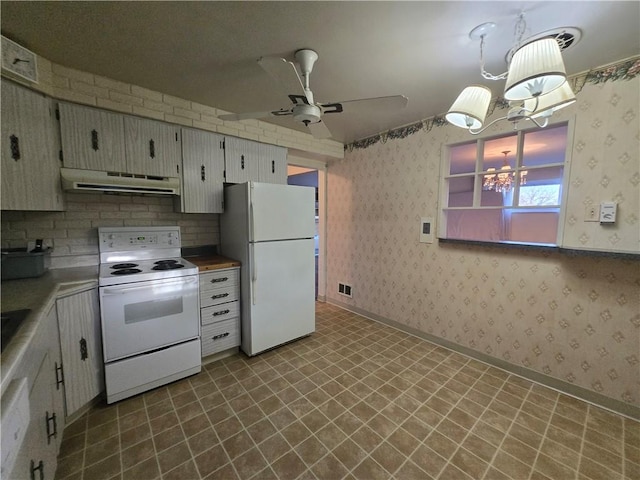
(145, 316)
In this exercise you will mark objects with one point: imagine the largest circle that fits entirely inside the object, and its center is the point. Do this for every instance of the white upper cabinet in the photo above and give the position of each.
(241, 158)
(151, 147)
(202, 172)
(246, 160)
(30, 162)
(92, 139)
(272, 164)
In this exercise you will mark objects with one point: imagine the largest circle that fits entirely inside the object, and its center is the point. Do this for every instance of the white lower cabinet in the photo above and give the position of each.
(37, 456)
(220, 310)
(81, 344)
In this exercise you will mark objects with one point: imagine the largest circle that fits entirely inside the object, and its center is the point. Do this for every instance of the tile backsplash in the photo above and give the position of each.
(73, 233)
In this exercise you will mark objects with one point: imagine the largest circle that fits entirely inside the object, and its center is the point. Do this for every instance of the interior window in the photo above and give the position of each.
(505, 189)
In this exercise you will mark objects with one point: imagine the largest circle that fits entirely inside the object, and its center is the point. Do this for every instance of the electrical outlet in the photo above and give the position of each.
(592, 213)
(344, 289)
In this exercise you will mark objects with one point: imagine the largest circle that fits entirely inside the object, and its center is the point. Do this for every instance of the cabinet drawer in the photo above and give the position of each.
(219, 295)
(219, 313)
(220, 336)
(218, 279)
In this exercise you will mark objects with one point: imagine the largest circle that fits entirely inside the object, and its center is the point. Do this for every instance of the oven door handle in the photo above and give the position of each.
(121, 290)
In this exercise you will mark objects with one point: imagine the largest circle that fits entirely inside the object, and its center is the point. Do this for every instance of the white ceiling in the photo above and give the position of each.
(207, 51)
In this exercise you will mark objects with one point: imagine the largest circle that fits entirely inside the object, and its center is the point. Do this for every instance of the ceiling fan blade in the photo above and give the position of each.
(254, 115)
(284, 73)
(319, 130)
(364, 105)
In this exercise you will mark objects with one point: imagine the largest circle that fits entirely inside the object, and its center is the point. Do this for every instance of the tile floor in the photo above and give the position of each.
(356, 400)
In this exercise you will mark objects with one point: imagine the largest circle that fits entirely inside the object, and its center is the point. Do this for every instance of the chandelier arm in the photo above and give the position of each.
(476, 132)
(541, 125)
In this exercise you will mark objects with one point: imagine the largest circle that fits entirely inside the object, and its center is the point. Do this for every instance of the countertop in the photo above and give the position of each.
(38, 295)
(213, 262)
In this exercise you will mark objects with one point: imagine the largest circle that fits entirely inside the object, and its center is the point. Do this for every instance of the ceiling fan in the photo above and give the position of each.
(304, 109)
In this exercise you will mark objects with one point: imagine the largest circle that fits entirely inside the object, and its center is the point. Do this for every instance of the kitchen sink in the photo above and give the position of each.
(11, 322)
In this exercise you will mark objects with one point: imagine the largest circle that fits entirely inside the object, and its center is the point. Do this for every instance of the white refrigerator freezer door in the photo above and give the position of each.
(281, 302)
(280, 212)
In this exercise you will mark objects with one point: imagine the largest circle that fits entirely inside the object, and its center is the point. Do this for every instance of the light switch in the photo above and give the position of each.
(426, 230)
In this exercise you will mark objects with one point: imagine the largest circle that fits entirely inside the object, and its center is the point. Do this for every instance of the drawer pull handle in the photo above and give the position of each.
(218, 337)
(221, 312)
(50, 433)
(203, 173)
(218, 280)
(242, 162)
(40, 468)
(15, 147)
(94, 140)
(221, 295)
(152, 148)
(60, 378)
(84, 354)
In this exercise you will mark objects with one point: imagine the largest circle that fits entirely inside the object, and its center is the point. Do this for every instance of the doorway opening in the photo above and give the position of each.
(308, 177)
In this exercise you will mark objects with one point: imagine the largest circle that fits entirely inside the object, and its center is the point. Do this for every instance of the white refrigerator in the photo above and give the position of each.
(270, 229)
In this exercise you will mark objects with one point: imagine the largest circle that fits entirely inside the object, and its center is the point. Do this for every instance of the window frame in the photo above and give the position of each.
(478, 177)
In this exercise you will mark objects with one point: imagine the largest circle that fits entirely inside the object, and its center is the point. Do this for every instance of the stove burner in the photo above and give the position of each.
(167, 266)
(124, 265)
(165, 262)
(126, 271)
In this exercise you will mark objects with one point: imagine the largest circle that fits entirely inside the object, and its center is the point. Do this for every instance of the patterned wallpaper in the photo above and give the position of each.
(605, 167)
(572, 316)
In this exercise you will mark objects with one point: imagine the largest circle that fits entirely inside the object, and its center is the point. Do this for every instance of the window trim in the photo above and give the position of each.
(478, 174)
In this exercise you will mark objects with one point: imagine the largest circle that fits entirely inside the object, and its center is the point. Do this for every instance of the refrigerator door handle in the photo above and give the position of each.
(254, 275)
(251, 218)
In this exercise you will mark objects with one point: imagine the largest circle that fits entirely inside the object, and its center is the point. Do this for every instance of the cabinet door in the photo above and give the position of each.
(30, 158)
(81, 344)
(241, 160)
(151, 147)
(272, 164)
(202, 172)
(37, 456)
(92, 139)
(56, 375)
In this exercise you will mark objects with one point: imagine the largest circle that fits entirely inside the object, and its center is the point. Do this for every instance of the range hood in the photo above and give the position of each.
(77, 180)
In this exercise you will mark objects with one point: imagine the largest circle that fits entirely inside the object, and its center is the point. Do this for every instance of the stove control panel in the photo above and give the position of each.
(131, 238)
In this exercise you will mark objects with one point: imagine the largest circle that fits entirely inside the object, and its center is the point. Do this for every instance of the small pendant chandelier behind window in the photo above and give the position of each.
(502, 180)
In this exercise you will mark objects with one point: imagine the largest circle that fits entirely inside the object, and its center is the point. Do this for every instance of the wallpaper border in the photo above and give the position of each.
(584, 394)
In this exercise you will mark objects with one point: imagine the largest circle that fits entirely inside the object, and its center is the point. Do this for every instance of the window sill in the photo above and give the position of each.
(505, 244)
(543, 247)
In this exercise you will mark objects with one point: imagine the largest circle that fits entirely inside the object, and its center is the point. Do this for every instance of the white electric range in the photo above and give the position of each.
(149, 307)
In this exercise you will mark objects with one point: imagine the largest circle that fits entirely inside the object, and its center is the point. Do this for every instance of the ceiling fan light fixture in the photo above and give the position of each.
(470, 108)
(551, 102)
(536, 69)
(306, 114)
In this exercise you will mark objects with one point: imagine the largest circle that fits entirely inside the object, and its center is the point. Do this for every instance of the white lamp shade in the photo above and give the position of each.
(535, 68)
(470, 108)
(550, 102)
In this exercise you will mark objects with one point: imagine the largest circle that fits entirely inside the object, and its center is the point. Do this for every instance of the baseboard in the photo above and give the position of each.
(567, 388)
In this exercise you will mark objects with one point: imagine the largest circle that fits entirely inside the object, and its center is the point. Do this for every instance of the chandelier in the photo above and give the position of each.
(536, 84)
(502, 180)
